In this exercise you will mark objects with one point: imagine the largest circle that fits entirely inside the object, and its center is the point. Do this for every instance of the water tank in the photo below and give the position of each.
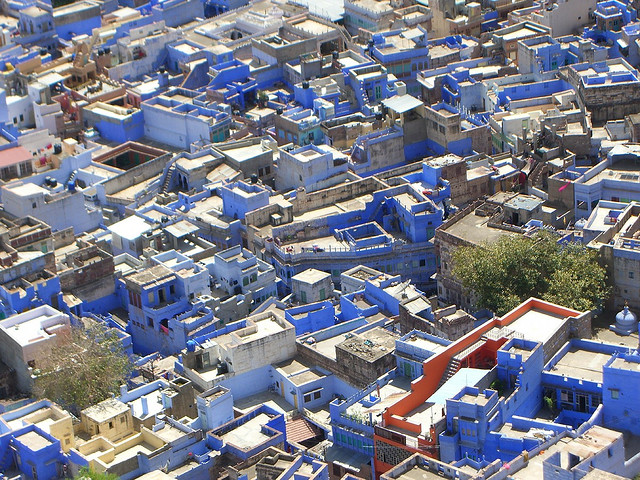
(71, 186)
(335, 55)
(57, 149)
(279, 111)
(191, 346)
(305, 84)
(254, 178)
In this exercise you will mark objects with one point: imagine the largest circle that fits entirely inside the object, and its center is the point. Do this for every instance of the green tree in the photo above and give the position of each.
(84, 368)
(505, 273)
(86, 473)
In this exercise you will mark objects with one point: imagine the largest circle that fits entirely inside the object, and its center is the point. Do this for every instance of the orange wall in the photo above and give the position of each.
(435, 366)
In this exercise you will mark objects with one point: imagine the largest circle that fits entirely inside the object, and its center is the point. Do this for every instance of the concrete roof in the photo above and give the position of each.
(105, 410)
(311, 276)
(402, 103)
(131, 227)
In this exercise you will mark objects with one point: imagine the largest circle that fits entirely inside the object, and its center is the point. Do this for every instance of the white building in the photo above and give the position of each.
(312, 286)
(59, 206)
(564, 17)
(26, 338)
(313, 167)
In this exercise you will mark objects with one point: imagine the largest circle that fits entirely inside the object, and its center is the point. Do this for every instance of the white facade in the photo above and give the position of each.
(28, 337)
(60, 208)
(566, 16)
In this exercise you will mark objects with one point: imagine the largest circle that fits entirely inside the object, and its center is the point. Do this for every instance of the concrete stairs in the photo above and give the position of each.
(167, 179)
(452, 368)
(72, 177)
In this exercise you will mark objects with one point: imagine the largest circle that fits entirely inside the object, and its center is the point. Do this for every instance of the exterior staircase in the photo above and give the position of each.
(452, 368)
(167, 179)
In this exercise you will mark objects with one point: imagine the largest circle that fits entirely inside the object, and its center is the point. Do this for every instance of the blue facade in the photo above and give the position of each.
(403, 53)
(238, 198)
(34, 452)
(121, 128)
(621, 410)
(163, 313)
(274, 429)
(311, 317)
(413, 349)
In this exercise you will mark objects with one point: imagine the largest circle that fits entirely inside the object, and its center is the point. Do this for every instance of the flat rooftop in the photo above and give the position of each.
(425, 344)
(583, 364)
(537, 325)
(33, 440)
(388, 395)
(419, 472)
(249, 434)
(474, 229)
(27, 329)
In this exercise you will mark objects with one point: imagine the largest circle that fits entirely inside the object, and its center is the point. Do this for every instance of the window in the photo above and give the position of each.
(303, 297)
(110, 425)
(21, 117)
(149, 322)
(172, 289)
(123, 419)
(615, 393)
(34, 205)
(150, 297)
(245, 281)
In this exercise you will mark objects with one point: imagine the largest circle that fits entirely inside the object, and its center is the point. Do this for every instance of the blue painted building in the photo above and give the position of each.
(164, 311)
(366, 235)
(403, 53)
(238, 198)
(262, 427)
(232, 84)
(621, 410)
(413, 349)
(215, 407)
(114, 123)
(313, 167)
(176, 12)
(311, 317)
(180, 117)
(79, 18)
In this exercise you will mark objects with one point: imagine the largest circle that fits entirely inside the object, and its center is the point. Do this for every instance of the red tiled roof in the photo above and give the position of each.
(13, 156)
(300, 430)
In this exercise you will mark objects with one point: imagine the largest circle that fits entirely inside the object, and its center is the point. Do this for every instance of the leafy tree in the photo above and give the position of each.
(84, 368)
(86, 473)
(505, 273)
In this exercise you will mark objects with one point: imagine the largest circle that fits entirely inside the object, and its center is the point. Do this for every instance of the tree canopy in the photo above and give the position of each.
(88, 474)
(84, 368)
(505, 273)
